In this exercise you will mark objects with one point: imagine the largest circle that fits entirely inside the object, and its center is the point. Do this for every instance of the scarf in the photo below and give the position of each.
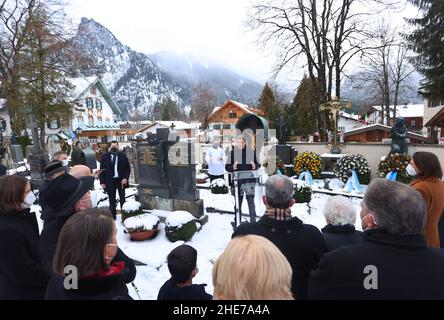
(278, 214)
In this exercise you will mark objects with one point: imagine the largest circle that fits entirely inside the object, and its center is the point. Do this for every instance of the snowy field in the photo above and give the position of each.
(209, 242)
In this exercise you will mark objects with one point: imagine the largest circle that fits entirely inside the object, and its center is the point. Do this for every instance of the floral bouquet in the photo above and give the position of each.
(347, 163)
(308, 161)
(396, 163)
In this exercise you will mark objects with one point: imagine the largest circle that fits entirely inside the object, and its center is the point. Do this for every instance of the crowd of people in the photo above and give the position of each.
(396, 256)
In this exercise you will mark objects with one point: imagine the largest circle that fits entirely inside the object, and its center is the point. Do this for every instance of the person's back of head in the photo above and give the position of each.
(85, 241)
(12, 193)
(428, 165)
(339, 211)
(252, 268)
(279, 192)
(393, 207)
(182, 263)
(79, 171)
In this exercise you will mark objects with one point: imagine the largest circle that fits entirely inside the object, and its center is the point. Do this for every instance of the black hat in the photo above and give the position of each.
(65, 191)
(52, 168)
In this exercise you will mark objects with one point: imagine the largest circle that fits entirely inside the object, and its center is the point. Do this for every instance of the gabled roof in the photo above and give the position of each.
(178, 125)
(378, 126)
(437, 120)
(405, 110)
(239, 105)
(82, 85)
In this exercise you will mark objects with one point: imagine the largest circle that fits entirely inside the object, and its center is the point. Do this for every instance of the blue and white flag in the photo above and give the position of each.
(353, 183)
(392, 175)
(306, 176)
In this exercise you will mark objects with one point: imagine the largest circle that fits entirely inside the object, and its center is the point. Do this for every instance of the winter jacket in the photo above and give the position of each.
(383, 266)
(432, 189)
(340, 236)
(22, 275)
(110, 285)
(302, 244)
(170, 291)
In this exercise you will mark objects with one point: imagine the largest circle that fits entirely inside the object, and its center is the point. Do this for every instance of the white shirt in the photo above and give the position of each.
(116, 174)
(215, 160)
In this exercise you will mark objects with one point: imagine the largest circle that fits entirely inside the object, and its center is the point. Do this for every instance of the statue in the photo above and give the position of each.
(162, 148)
(399, 137)
(334, 106)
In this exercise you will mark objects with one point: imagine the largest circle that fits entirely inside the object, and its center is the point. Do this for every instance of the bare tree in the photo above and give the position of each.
(321, 35)
(204, 101)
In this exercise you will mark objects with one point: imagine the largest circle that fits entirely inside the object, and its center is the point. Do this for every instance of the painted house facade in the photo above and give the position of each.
(95, 112)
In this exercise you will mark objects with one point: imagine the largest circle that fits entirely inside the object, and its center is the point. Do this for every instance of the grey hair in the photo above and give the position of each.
(339, 211)
(278, 191)
(398, 208)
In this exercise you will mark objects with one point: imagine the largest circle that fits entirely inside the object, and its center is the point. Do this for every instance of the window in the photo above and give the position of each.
(89, 103)
(435, 103)
(232, 114)
(227, 126)
(54, 124)
(90, 117)
(98, 104)
(216, 126)
(413, 124)
(93, 90)
(99, 115)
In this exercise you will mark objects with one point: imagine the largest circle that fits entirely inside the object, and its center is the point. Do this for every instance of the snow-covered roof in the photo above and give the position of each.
(349, 115)
(178, 125)
(385, 128)
(406, 110)
(81, 85)
(242, 106)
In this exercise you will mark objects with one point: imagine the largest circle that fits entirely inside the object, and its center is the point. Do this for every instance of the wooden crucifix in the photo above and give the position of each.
(334, 106)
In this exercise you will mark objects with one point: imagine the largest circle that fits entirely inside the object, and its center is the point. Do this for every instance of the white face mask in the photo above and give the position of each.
(410, 170)
(29, 200)
(65, 162)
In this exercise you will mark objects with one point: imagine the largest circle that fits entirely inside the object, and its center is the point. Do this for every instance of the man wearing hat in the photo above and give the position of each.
(53, 170)
(64, 196)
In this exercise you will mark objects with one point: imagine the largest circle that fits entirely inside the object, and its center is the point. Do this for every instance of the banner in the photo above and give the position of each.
(306, 176)
(392, 175)
(353, 183)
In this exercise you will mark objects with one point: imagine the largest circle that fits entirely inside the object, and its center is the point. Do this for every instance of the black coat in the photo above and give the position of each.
(170, 291)
(123, 168)
(3, 170)
(340, 236)
(406, 269)
(302, 244)
(21, 273)
(48, 245)
(244, 164)
(112, 287)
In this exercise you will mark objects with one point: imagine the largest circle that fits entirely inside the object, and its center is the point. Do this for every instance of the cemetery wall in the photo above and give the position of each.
(371, 151)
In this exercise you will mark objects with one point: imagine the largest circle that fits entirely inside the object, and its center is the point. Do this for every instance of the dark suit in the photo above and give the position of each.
(112, 183)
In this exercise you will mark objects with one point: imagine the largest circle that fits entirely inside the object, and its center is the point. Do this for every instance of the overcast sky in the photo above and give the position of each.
(210, 28)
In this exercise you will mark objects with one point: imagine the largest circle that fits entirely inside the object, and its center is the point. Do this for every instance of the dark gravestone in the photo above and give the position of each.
(90, 158)
(283, 151)
(166, 174)
(16, 153)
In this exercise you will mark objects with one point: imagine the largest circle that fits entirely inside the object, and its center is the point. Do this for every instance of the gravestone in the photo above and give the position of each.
(16, 153)
(328, 163)
(166, 174)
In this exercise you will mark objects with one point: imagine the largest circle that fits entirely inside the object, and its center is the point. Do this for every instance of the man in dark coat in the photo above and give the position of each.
(340, 214)
(393, 261)
(115, 175)
(301, 244)
(243, 158)
(63, 196)
(3, 170)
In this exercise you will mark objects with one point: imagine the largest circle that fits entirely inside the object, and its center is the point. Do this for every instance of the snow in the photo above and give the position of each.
(179, 218)
(201, 176)
(218, 183)
(131, 206)
(146, 221)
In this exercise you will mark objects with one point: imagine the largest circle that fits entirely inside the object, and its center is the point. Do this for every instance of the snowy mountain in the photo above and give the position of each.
(139, 81)
(190, 69)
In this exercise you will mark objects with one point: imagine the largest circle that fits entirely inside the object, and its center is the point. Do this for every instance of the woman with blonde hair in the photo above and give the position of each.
(252, 268)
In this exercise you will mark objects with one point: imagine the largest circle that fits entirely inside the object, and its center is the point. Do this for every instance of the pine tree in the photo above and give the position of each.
(267, 101)
(170, 111)
(304, 108)
(427, 42)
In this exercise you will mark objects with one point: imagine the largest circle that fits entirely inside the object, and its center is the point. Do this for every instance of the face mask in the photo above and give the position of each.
(114, 150)
(215, 145)
(65, 162)
(410, 170)
(29, 200)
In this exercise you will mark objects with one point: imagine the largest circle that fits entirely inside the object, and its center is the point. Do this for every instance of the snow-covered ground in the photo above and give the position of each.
(209, 242)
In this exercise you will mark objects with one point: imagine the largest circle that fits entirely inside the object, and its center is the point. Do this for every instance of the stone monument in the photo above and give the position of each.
(166, 174)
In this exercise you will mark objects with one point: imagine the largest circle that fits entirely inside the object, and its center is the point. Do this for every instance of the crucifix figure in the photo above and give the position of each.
(334, 106)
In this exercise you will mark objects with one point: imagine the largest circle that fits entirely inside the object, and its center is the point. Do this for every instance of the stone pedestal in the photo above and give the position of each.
(150, 202)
